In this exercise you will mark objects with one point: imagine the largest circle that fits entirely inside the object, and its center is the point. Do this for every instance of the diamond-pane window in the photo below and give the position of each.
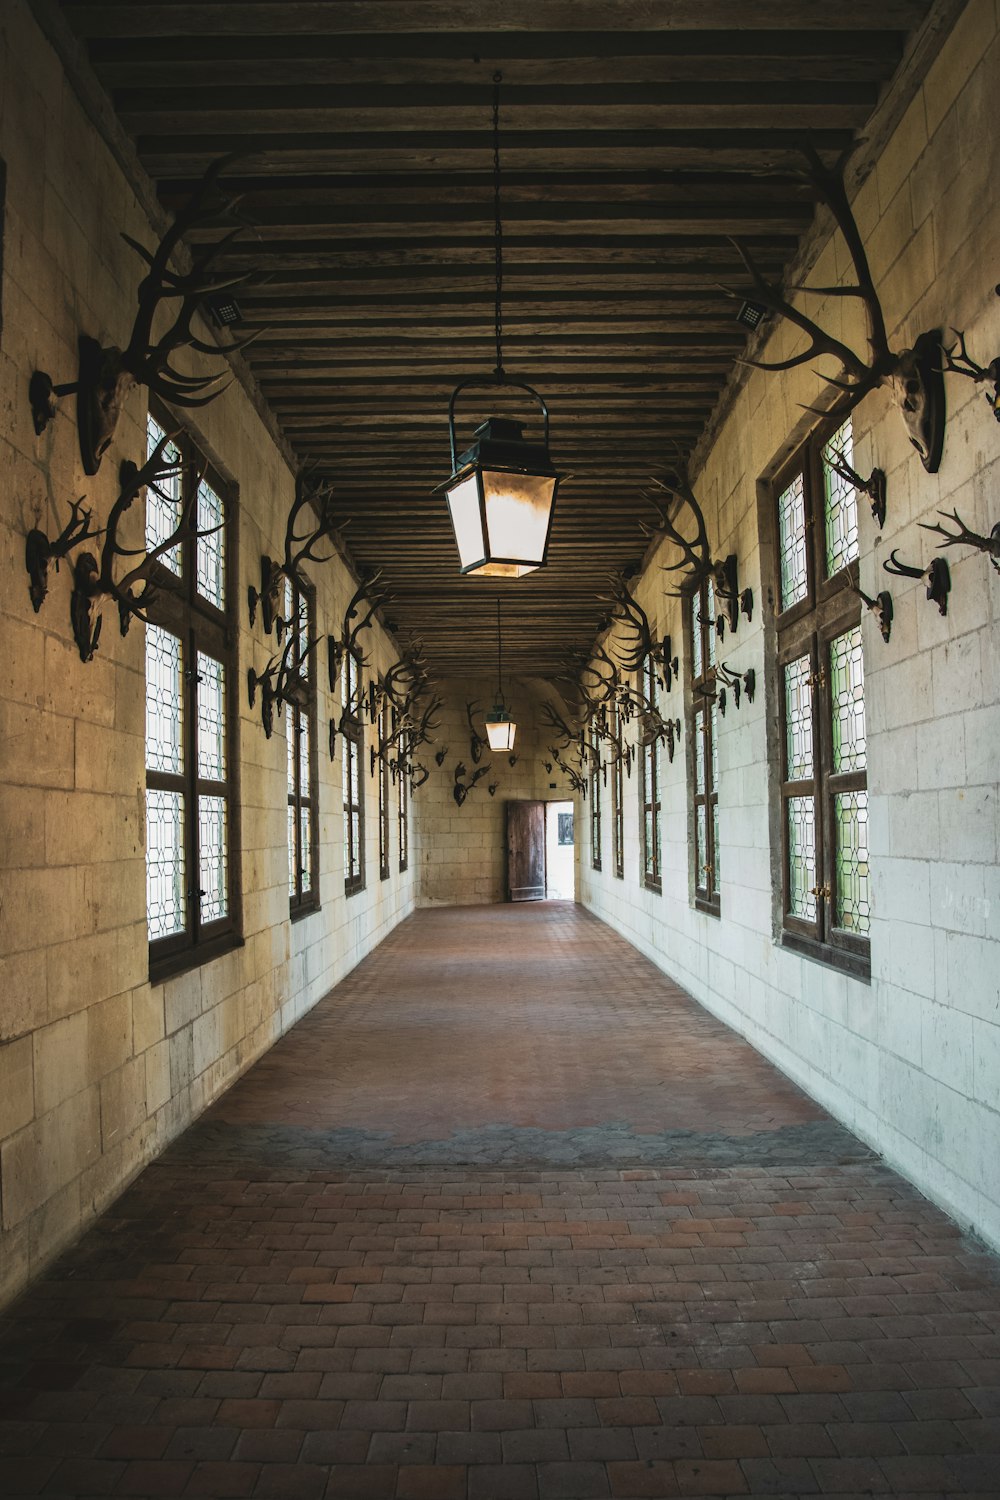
(164, 697)
(649, 782)
(847, 683)
(211, 718)
(211, 548)
(165, 870)
(802, 858)
(853, 904)
(189, 762)
(213, 858)
(164, 499)
(840, 507)
(703, 727)
(792, 542)
(302, 771)
(353, 736)
(798, 720)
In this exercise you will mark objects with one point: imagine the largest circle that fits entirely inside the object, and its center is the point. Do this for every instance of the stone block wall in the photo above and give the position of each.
(911, 1061)
(99, 1069)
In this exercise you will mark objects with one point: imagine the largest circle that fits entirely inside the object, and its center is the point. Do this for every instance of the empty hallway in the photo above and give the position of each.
(508, 1215)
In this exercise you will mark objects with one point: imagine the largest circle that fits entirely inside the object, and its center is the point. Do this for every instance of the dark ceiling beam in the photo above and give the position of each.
(788, 47)
(405, 18)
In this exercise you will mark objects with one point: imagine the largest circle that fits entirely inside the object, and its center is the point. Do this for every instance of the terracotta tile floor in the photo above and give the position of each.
(507, 1215)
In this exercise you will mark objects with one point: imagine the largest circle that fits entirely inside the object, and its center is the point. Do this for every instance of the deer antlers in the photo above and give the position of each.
(39, 551)
(93, 581)
(988, 544)
(964, 364)
(914, 375)
(630, 615)
(107, 375)
(696, 554)
(299, 548)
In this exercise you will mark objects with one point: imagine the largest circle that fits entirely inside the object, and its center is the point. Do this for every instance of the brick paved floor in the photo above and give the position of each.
(508, 1216)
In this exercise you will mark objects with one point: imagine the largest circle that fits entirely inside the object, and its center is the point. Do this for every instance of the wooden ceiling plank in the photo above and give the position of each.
(96, 18)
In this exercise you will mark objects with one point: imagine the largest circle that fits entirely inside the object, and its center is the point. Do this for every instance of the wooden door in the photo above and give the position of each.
(526, 851)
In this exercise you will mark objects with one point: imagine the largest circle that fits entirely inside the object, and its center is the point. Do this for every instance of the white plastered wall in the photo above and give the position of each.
(99, 1069)
(910, 1061)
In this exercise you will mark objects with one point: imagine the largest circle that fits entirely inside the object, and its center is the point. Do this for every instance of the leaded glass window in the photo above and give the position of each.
(596, 789)
(190, 714)
(649, 783)
(382, 771)
(302, 771)
(354, 809)
(826, 880)
(617, 793)
(703, 739)
(403, 787)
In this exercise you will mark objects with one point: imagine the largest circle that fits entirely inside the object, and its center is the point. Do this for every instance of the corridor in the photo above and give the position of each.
(508, 1215)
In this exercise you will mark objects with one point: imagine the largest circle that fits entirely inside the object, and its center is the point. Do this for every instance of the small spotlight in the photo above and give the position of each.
(223, 310)
(751, 314)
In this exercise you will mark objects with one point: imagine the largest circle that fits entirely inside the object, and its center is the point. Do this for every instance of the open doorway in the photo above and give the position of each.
(560, 864)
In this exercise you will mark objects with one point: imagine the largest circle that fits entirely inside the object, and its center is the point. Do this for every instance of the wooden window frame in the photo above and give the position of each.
(353, 734)
(596, 772)
(382, 771)
(617, 795)
(403, 790)
(807, 628)
(702, 722)
(301, 703)
(650, 804)
(178, 608)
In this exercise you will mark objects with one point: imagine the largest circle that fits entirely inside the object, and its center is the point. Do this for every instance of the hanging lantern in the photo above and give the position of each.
(502, 490)
(500, 727)
(501, 496)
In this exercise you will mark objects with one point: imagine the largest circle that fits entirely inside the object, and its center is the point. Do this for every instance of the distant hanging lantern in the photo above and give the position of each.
(500, 727)
(502, 489)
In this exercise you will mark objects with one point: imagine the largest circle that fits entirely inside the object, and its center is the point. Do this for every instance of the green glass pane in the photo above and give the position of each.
(840, 502)
(792, 543)
(164, 700)
(853, 879)
(798, 720)
(212, 857)
(211, 718)
(847, 681)
(165, 869)
(163, 500)
(801, 858)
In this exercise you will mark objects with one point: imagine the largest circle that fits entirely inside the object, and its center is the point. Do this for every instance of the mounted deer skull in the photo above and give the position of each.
(937, 577)
(107, 376)
(39, 551)
(93, 581)
(476, 742)
(299, 548)
(277, 683)
(914, 376)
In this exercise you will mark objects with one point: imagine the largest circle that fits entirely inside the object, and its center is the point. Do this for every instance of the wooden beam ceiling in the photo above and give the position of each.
(636, 138)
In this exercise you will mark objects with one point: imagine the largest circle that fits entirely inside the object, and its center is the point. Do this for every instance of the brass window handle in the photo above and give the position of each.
(823, 891)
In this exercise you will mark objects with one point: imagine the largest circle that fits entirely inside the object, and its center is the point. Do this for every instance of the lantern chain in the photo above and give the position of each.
(497, 227)
(499, 659)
